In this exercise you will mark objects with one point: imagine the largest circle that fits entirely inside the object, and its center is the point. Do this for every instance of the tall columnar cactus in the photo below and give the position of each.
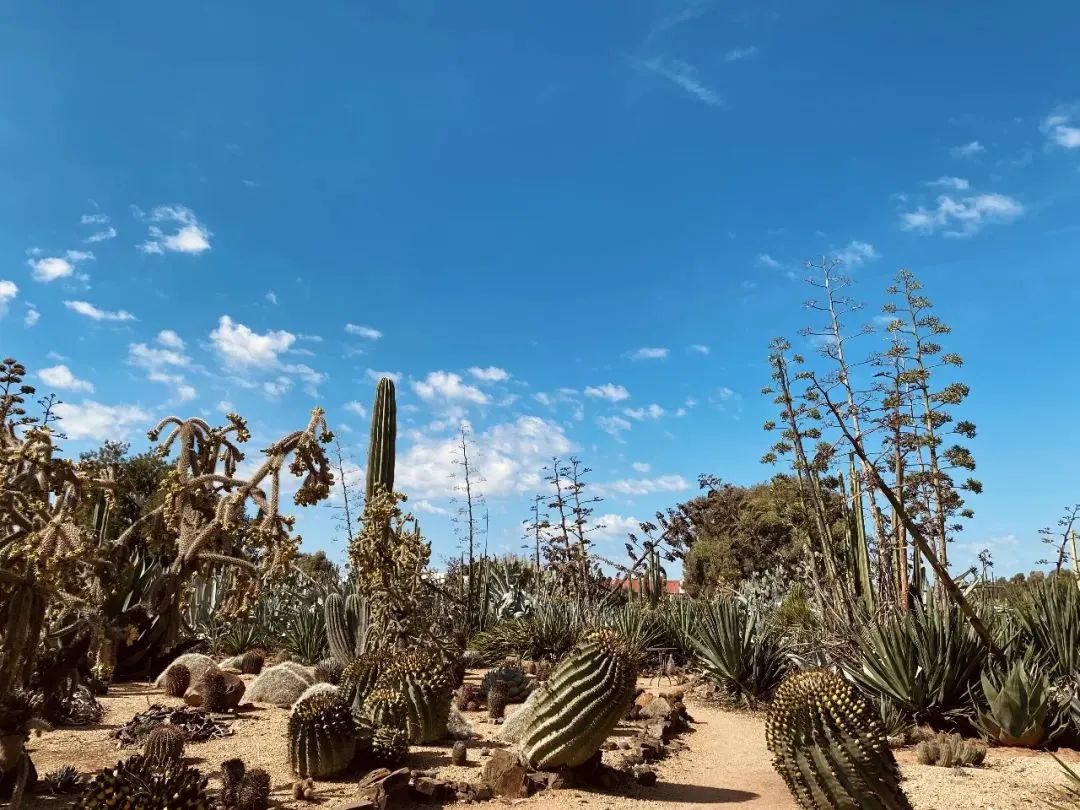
(381, 449)
(567, 719)
(829, 747)
(322, 736)
(413, 693)
(347, 621)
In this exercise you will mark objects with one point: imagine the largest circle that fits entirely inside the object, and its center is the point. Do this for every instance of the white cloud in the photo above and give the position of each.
(614, 527)
(225, 406)
(735, 54)
(648, 353)
(510, 455)
(491, 374)
(90, 311)
(765, 260)
(95, 219)
(857, 253)
(1060, 130)
(429, 507)
(615, 425)
(374, 375)
(31, 317)
(169, 339)
(685, 76)
(271, 296)
(240, 347)
(448, 387)
(964, 216)
(61, 377)
(609, 391)
(93, 420)
(968, 150)
(8, 291)
(190, 236)
(366, 332)
(101, 236)
(357, 408)
(700, 348)
(641, 467)
(723, 393)
(955, 183)
(644, 486)
(52, 268)
(653, 411)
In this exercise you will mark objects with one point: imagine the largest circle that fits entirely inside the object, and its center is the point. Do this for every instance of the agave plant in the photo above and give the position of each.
(305, 636)
(1049, 613)
(1018, 705)
(925, 662)
(638, 624)
(740, 653)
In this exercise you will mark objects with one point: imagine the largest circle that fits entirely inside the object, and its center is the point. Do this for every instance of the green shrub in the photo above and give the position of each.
(740, 653)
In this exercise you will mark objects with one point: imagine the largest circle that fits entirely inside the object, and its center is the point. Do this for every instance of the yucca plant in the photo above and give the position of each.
(925, 662)
(1049, 613)
(241, 636)
(636, 622)
(1018, 705)
(305, 636)
(740, 653)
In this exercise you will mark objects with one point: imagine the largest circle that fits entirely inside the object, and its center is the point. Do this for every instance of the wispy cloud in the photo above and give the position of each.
(366, 332)
(765, 260)
(609, 391)
(644, 486)
(737, 54)
(613, 425)
(699, 348)
(190, 236)
(955, 183)
(684, 76)
(962, 217)
(101, 236)
(51, 268)
(32, 315)
(648, 353)
(968, 150)
(1059, 128)
(652, 411)
(88, 310)
(491, 374)
(8, 291)
(856, 253)
(687, 12)
(447, 387)
(61, 378)
(271, 297)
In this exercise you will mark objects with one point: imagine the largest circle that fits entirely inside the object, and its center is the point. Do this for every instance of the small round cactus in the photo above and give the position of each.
(251, 662)
(165, 746)
(459, 753)
(329, 671)
(176, 680)
(322, 736)
(389, 746)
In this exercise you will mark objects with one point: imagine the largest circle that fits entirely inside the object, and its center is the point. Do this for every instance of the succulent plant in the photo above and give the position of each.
(137, 783)
(517, 684)
(219, 691)
(951, 751)
(232, 774)
(64, 781)
(459, 753)
(196, 664)
(389, 746)
(412, 693)
(359, 677)
(322, 736)
(176, 680)
(329, 670)
(464, 695)
(280, 685)
(251, 662)
(1018, 705)
(564, 722)
(347, 622)
(254, 791)
(829, 747)
(164, 746)
(497, 698)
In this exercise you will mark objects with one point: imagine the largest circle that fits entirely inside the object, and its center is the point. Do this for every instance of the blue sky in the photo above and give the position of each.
(509, 201)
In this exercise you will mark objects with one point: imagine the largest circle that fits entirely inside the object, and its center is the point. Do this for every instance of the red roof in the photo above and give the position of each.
(672, 587)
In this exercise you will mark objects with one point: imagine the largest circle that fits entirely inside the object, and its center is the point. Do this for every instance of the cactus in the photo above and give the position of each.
(359, 677)
(221, 691)
(164, 746)
(176, 680)
(64, 781)
(196, 664)
(389, 746)
(137, 783)
(1018, 706)
(254, 791)
(347, 622)
(459, 753)
(829, 747)
(465, 695)
(517, 685)
(413, 693)
(497, 698)
(322, 736)
(382, 446)
(281, 685)
(564, 722)
(951, 751)
(329, 671)
(232, 774)
(251, 662)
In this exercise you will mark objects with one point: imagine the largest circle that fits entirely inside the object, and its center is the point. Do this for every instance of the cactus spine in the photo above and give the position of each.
(322, 736)
(347, 620)
(381, 449)
(829, 747)
(565, 721)
(164, 746)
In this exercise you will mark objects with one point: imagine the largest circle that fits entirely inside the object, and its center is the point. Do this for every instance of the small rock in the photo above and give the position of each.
(644, 775)
(505, 775)
(429, 787)
(656, 708)
(483, 793)
(644, 699)
(624, 744)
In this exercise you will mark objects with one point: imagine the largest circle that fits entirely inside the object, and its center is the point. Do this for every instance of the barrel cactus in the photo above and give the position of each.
(413, 693)
(829, 746)
(176, 680)
(389, 746)
(322, 736)
(359, 677)
(164, 746)
(564, 722)
(517, 684)
(347, 620)
(138, 783)
(329, 670)
(497, 698)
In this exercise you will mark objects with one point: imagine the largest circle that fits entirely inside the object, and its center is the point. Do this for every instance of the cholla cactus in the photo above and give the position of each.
(829, 747)
(322, 736)
(567, 719)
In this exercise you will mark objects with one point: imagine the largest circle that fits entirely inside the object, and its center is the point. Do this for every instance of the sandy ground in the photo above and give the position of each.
(725, 763)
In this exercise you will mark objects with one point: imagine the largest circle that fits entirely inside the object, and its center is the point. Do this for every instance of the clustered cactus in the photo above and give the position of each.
(951, 751)
(412, 693)
(389, 746)
(565, 721)
(514, 680)
(281, 685)
(829, 747)
(359, 677)
(322, 736)
(139, 783)
(242, 789)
